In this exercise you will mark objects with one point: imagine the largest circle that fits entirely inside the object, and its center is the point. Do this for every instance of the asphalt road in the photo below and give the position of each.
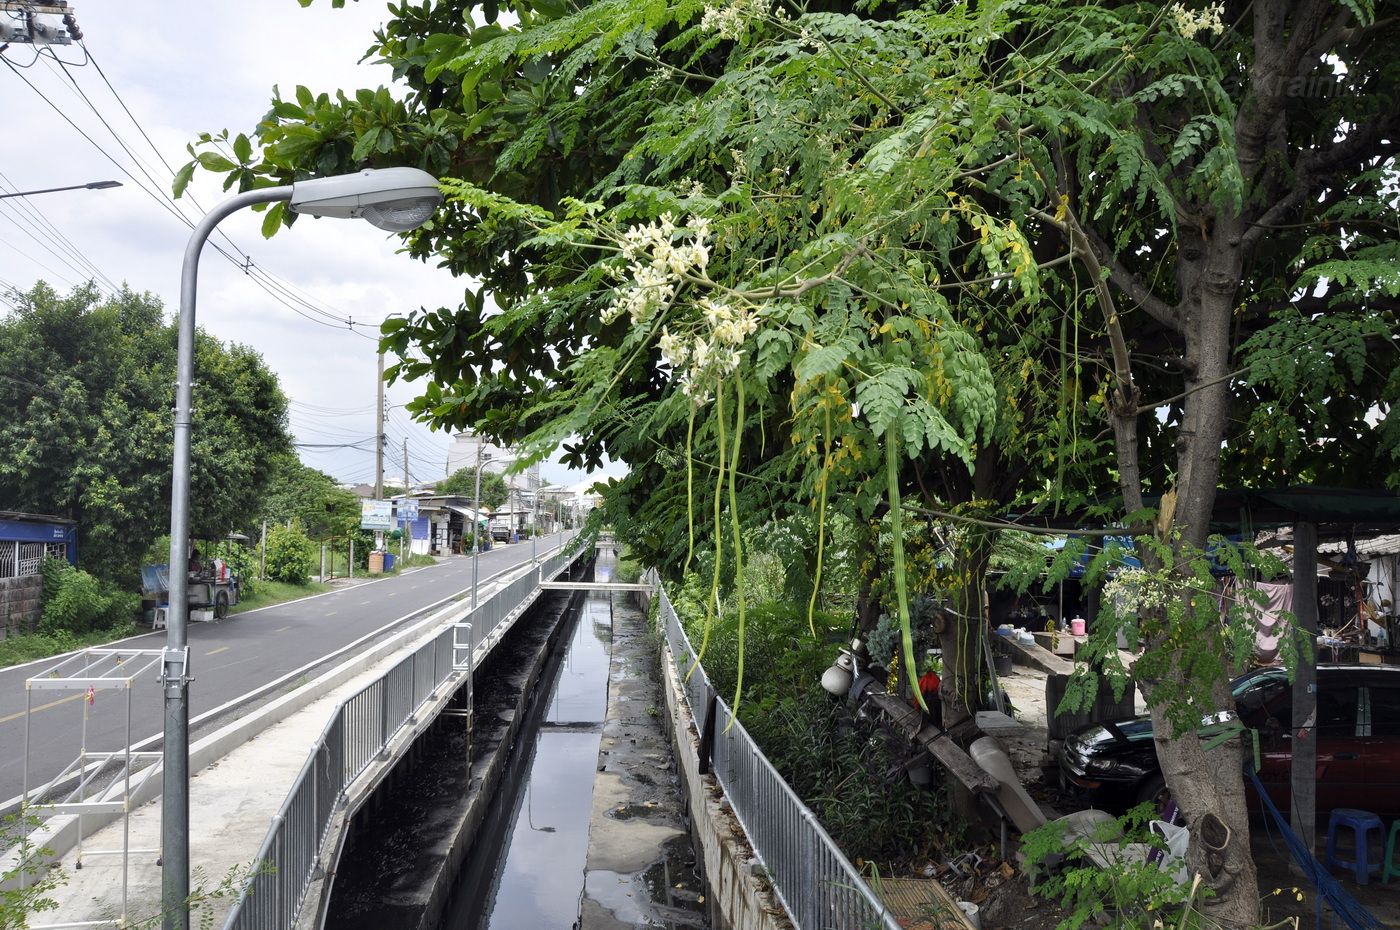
(228, 659)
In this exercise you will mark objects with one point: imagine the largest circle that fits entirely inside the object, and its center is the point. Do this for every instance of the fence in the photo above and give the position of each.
(359, 732)
(812, 877)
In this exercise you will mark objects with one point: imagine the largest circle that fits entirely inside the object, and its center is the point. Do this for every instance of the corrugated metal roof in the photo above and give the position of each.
(1378, 545)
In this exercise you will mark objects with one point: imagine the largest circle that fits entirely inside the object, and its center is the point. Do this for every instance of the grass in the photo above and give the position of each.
(277, 592)
(26, 647)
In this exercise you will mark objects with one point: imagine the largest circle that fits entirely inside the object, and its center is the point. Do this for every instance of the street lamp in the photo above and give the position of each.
(476, 503)
(91, 186)
(393, 199)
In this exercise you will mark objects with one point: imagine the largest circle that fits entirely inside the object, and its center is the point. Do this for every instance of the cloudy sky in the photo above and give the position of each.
(189, 68)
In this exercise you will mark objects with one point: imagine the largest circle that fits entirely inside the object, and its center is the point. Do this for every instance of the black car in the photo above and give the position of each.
(1114, 765)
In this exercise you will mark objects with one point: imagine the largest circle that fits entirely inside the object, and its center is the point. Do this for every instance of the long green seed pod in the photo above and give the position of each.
(821, 523)
(713, 599)
(690, 487)
(900, 586)
(738, 539)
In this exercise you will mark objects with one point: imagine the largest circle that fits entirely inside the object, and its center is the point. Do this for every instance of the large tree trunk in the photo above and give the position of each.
(1208, 785)
(965, 678)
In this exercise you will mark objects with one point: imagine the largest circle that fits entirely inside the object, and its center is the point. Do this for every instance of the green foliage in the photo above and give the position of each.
(79, 604)
(462, 482)
(19, 648)
(1016, 253)
(311, 497)
(291, 557)
(25, 886)
(842, 769)
(1126, 895)
(88, 430)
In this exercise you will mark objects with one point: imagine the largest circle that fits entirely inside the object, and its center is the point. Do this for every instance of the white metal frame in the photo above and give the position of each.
(93, 670)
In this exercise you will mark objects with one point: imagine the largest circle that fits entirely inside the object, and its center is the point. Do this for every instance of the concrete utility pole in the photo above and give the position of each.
(476, 523)
(379, 445)
(403, 529)
(1303, 774)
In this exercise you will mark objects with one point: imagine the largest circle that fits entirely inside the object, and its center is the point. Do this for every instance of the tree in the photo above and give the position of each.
(914, 262)
(462, 483)
(88, 386)
(313, 498)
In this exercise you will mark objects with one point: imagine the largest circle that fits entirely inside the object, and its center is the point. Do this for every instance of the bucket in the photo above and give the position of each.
(1076, 626)
(970, 911)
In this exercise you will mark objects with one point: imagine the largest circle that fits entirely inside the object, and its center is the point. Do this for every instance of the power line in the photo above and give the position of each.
(25, 204)
(156, 192)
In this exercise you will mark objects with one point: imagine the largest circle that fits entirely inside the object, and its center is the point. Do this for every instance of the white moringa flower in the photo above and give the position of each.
(673, 349)
(1190, 22)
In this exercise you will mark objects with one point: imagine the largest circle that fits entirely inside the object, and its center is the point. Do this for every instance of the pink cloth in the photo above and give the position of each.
(1268, 617)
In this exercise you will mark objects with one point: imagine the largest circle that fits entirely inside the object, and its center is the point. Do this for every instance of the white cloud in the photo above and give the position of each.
(203, 67)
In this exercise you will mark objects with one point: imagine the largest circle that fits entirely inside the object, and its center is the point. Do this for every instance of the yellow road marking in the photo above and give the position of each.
(71, 697)
(214, 652)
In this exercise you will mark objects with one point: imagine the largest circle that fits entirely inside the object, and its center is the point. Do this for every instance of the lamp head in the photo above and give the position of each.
(393, 199)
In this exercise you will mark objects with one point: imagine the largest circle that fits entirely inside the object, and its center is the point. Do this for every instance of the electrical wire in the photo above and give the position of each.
(23, 205)
(156, 192)
(75, 261)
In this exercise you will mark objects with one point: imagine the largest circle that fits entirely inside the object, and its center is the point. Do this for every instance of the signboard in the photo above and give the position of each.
(407, 510)
(376, 515)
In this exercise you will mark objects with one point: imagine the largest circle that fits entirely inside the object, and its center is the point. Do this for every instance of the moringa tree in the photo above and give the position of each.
(885, 256)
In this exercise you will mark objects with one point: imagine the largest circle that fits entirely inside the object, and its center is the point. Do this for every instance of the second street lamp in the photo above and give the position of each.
(394, 199)
(90, 186)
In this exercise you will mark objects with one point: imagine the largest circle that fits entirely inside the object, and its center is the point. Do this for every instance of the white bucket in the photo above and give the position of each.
(971, 912)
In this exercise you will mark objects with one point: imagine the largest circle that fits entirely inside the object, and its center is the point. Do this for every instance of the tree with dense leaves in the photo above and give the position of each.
(87, 384)
(462, 483)
(314, 499)
(909, 260)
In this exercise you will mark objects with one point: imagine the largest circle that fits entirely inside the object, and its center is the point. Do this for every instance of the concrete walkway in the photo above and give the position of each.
(232, 803)
(640, 870)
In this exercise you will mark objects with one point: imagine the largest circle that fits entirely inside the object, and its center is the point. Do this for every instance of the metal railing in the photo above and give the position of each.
(357, 735)
(815, 881)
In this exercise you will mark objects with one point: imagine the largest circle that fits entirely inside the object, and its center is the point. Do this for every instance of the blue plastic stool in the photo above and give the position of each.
(1361, 823)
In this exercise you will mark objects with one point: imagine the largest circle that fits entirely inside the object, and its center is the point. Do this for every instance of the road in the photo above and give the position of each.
(228, 659)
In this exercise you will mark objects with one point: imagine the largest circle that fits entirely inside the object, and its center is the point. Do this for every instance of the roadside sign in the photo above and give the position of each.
(407, 510)
(376, 515)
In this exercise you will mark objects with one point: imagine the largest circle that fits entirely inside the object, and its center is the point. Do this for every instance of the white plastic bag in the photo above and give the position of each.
(1178, 839)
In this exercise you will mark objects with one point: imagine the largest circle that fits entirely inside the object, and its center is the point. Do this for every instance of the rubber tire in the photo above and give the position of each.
(220, 605)
(1153, 789)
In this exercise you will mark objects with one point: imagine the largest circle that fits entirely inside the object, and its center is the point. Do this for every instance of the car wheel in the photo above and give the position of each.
(221, 605)
(1153, 790)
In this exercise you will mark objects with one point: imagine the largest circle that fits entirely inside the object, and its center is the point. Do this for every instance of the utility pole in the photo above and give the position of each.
(403, 528)
(379, 446)
(476, 523)
(379, 433)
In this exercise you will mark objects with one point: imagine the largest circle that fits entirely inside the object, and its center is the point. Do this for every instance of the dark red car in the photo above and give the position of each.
(1358, 742)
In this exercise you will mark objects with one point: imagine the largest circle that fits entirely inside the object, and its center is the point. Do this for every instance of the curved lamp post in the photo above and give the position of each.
(393, 199)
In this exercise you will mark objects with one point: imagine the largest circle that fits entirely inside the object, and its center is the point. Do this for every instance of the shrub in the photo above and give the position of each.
(845, 770)
(290, 555)
(76, 602)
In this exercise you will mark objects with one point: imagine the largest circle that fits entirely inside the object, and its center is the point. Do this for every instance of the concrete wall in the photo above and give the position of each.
(21, 603)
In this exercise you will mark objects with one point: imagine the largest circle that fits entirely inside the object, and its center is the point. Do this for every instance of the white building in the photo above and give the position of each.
(464, 451)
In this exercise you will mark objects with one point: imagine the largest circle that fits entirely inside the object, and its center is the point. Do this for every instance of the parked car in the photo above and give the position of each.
(500, 533)
(1114, 765)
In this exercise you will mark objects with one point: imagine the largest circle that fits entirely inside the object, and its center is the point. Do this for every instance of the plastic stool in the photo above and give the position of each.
(1361, 823)
(158, 617)
(1390, 867)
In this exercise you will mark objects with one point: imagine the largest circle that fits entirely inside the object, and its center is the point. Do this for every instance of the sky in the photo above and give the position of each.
(203, 67)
